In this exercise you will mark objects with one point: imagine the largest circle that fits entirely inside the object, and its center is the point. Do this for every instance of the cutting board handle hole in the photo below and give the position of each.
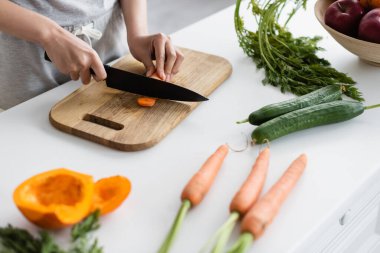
(103, 122)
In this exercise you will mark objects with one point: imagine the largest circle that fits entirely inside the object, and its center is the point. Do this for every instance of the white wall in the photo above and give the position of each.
(168, 16)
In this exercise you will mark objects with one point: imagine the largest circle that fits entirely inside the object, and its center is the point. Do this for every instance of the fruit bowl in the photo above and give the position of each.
(367, 51)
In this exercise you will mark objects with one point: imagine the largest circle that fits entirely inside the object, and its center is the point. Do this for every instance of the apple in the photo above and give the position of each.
(369, 27)
(344, 16)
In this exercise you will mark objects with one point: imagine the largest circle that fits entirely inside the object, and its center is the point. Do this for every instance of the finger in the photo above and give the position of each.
(159, 49)
(98, 68)
(85, 75)
(150, 70)
(149, 66)
(74, 75)
(178, 61)
(170, 59)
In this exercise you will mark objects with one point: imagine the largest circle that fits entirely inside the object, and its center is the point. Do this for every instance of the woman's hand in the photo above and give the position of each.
(146, 48)
(73, 56)
(70, 54)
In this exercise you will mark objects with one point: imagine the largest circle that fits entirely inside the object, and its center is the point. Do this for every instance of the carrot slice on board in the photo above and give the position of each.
(146, 101)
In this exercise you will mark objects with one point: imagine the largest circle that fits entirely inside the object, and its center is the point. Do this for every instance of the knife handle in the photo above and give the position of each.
(48, 59)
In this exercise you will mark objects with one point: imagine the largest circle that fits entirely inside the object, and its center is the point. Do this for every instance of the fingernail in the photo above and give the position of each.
(168, 77)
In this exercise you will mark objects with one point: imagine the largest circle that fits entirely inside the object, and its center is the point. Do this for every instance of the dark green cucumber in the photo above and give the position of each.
(323, 95)
(316, 115)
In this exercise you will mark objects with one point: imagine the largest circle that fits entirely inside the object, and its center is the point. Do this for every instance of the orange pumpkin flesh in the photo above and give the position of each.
(110, 193)
(55, 199)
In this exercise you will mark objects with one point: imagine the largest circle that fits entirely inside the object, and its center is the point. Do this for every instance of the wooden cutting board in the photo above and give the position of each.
(113, 118)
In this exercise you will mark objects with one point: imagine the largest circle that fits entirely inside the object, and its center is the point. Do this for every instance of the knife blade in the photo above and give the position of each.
(146, 86)
(150, 87)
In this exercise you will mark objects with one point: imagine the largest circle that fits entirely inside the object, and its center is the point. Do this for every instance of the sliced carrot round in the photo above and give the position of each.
(110, 193)
(146, 101)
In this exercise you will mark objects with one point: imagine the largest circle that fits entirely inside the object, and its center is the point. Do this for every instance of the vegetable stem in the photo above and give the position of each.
(242, 244)
(221, 236)
(371, 106)
(224, 233)
(242, 121)
(165, 247)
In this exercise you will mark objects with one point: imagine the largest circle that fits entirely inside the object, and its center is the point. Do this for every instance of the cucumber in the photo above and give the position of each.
(316, 115)
(323, 95)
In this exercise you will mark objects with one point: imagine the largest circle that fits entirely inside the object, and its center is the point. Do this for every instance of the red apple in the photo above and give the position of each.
(344, 16)
(369, 27)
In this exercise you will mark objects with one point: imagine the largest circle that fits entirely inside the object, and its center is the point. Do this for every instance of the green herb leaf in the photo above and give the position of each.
(80, 235)
(88, 225)
(289, 63)
(48, 245)
(17, 240)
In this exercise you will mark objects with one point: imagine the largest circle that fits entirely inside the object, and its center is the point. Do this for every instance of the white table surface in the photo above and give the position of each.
(341, 156)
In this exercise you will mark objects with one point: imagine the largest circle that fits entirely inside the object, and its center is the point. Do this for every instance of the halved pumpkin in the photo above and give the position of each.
(110, 193)
(55, 199)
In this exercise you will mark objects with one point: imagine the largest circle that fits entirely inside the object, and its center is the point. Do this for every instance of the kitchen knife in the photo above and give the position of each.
(146, 86)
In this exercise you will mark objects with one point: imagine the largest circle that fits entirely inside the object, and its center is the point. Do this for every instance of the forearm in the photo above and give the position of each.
(25, 24)
(135, 16)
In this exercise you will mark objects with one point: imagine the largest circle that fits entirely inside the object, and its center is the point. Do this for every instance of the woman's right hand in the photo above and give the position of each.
(73, 56)
(70, 54)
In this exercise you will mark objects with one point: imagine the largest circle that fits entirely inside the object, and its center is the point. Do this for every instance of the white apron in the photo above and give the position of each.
(23, 71)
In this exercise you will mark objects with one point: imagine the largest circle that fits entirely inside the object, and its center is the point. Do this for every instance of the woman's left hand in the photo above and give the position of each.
(157, 47)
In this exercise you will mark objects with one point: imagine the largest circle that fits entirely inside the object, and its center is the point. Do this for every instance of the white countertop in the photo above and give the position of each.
(341, 156)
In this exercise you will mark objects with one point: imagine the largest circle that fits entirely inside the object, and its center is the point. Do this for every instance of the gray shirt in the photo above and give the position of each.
(23, 71)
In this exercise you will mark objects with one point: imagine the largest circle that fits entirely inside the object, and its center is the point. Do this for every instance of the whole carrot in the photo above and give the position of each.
(250, 190)
(195, 190)
(263, 212)
(243, 200)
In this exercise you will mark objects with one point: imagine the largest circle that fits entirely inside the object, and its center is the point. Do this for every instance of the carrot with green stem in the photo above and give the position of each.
(243, 200)
(263, 212)
(194, 192)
